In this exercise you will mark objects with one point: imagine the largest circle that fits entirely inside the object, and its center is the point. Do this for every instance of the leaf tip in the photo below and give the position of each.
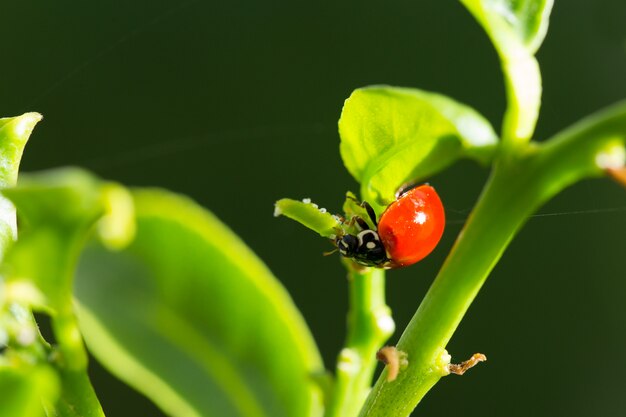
(25, 124)
(308, 214)
(278, 211)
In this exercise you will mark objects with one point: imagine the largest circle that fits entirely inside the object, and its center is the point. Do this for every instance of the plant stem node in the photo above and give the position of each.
(395, 360)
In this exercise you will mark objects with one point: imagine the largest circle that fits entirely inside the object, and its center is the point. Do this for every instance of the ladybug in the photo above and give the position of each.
(408, 230)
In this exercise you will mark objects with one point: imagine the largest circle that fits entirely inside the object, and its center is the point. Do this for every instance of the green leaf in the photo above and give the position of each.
(309, 215)
(189, 316)
(25, 389)
(517, 29)
(391, 136)
(14, 133)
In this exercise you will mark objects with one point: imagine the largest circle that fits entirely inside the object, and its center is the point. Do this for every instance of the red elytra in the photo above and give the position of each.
(411, 226)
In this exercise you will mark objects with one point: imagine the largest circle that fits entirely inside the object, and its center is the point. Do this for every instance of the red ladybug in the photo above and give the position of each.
(408, 230)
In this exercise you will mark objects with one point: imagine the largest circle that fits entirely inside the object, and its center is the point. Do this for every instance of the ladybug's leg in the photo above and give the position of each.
(370, 212)
(359, 220)
(405, 188)
(330, 252)
(369, 209)
(362, 223)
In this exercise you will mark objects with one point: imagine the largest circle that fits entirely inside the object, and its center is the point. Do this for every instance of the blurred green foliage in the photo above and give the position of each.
(231, 96)
(190, 317)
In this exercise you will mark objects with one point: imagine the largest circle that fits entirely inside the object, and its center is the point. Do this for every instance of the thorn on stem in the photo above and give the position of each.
(461, 368)
(394, 359)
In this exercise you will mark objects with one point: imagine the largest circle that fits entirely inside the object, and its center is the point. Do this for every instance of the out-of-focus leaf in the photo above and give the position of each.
(309, 215)
(391, 136)
(25, 389)
(189, 316)
(58, 209)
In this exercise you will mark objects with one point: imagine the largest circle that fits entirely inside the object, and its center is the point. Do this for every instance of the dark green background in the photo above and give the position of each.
(236, 102)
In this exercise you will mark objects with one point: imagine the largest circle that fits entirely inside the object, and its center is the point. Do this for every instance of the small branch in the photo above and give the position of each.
(522, 78)
(529, 176)
(523, 89)
(463, 367)
(369, 326)
(73, 355)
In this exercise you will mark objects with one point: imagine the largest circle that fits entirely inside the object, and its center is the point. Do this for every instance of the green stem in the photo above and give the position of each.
(522, 80)
(369, 326)
(70, 342)
(519, 184)
(78, 398)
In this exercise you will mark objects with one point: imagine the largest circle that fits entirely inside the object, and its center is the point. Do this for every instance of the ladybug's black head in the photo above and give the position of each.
(365, 248)
(347, 245)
